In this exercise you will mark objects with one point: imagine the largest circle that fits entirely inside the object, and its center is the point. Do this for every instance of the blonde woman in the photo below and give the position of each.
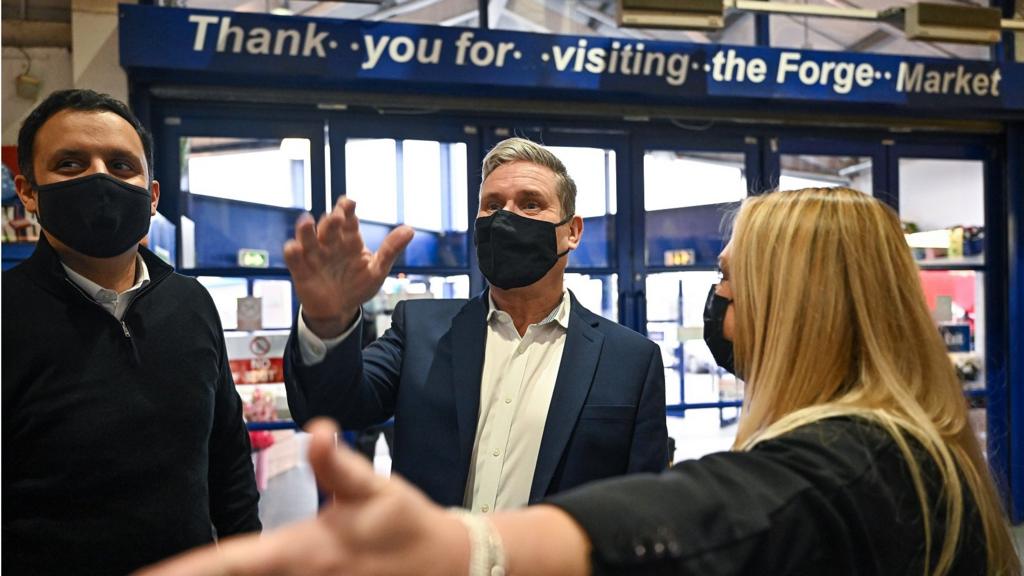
(853, 456)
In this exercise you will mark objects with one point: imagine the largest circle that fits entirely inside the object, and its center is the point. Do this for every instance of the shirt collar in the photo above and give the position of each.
(559, 315)
(94, 290)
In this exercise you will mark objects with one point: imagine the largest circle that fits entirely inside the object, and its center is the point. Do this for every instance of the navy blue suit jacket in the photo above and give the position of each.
(606, 418)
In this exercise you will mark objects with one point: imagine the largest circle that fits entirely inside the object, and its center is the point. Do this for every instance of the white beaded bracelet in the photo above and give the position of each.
(486, 553)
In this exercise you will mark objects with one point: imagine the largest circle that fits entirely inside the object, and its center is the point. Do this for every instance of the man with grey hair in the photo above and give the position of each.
(501, 400)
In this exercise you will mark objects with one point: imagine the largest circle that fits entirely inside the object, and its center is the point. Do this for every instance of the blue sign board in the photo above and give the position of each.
(340, 53)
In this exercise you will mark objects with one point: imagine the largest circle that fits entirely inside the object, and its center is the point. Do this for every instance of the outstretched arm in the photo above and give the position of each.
(385, 528)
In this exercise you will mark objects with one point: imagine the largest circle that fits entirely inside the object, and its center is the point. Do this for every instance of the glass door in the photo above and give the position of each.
(941, 195)
(689, 194)
(234, 181)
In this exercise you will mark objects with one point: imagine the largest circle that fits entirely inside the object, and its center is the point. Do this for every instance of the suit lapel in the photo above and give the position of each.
(469, 336)
(582, 350)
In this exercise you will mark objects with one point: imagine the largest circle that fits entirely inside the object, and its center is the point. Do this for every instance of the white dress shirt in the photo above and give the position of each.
(516, 386)
(515, 393)
(109, 299)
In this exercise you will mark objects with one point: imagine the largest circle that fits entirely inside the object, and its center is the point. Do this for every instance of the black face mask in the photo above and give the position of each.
(714, 334)
(96, 215)
(515, 251)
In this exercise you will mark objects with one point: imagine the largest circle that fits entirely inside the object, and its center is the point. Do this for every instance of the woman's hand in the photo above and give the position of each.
(373, 526)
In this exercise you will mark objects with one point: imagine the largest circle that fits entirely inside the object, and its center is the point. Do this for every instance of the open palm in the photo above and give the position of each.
(332, 269)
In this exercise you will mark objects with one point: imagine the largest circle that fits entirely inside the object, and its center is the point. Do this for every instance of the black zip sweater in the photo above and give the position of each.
(123, 442)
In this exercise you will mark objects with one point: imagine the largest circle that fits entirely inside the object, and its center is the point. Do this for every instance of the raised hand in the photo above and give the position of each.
(373, 527)
(333, 271)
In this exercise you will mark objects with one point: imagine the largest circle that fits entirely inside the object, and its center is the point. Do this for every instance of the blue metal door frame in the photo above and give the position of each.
(1014, 409)
(1000, 380)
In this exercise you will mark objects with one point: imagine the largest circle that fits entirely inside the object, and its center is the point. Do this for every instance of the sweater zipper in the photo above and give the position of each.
(137, 360)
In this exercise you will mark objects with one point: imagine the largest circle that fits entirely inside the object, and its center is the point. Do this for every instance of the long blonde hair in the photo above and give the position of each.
(831, 320)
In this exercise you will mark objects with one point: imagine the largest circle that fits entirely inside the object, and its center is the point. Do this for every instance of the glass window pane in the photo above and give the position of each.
(598, 293)
(225, 293)
(811, 171)
(411, 287)
(942, 209)
(683, 179)
(371, 178)
(241, 194)
(957, 301)
(457, 185)
(675, 321)
(430, 195)
(421, 173)
(276, 298)
(689, 198)
(593, 171)
(273, 171)
(702, 432)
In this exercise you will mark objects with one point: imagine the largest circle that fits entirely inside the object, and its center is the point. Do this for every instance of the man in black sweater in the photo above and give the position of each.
(123, 439)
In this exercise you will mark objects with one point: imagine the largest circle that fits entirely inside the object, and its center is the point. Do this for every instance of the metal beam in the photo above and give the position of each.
(609, 21)
(845, 13)
(461, 19)
(606, 20)
(526, 23)
(399, 8)
(870, 40)
(731, 18)
(495, 9)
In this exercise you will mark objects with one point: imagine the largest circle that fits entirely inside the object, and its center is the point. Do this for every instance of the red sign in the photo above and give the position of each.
(257, 370)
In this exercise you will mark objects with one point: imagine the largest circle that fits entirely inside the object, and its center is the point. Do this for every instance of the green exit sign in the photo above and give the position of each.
(252, 258)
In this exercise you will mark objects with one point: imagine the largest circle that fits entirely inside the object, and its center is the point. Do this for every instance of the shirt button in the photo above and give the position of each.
(485, 508)
(508, 400)
(640, 550)
(496, 452)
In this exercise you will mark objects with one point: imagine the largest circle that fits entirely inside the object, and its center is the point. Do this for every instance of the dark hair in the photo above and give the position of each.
(81, 100)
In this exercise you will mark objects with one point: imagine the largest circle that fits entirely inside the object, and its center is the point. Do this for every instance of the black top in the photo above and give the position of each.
(118, 450)
(832, 497)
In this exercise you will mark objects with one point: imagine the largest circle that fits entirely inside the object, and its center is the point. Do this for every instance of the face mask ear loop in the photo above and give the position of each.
(567, 218)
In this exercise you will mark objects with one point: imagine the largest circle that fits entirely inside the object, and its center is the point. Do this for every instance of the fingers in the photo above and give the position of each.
(293, 259)
(348, 209)
(338, 469)
(304, 548)
(339, 230)
(305, 234)
(391, 247)
(248, 556)
(330, 232)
